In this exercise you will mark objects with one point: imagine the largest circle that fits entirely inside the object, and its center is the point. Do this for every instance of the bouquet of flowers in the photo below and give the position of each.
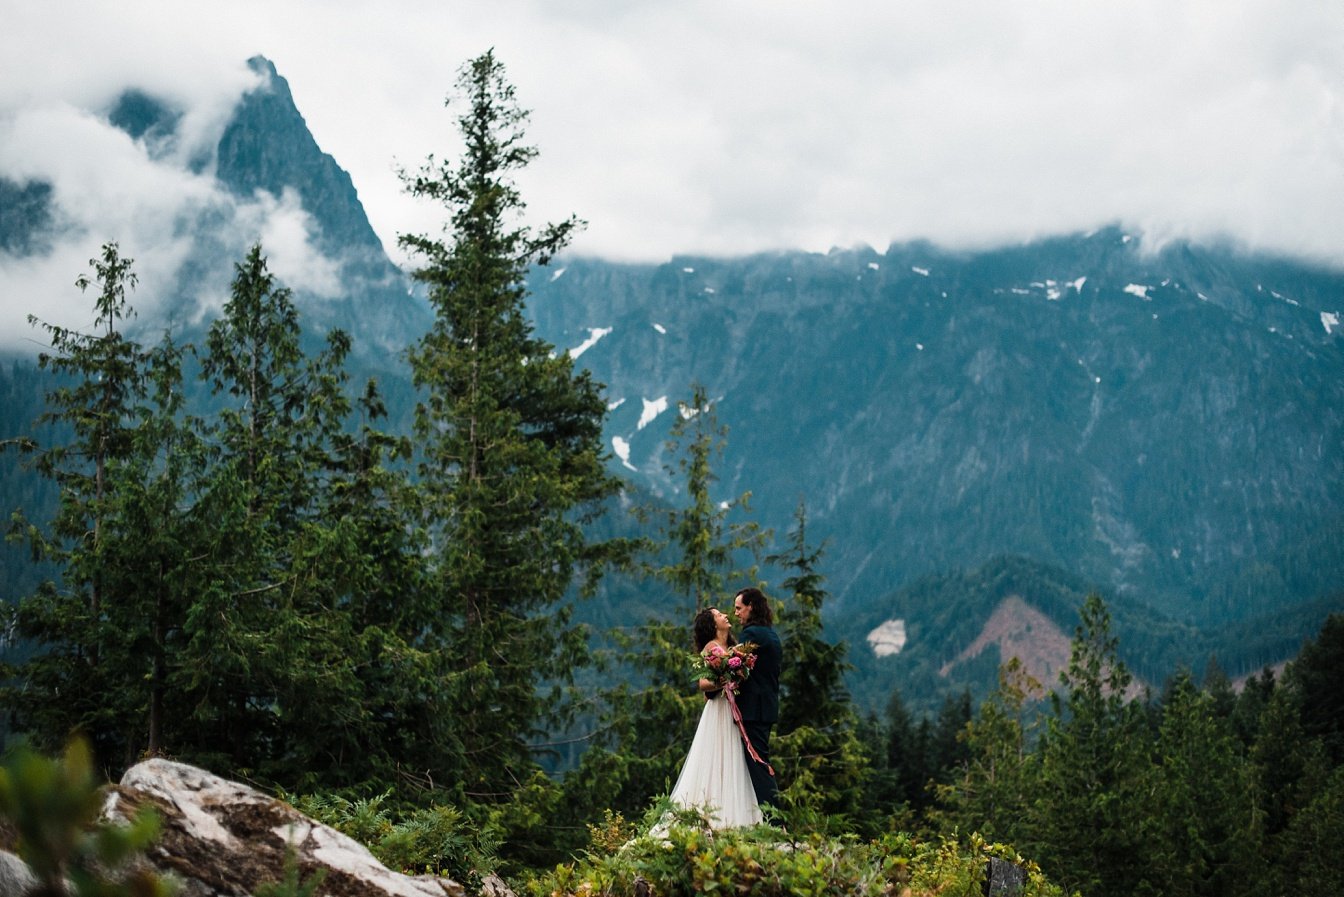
(727, 668)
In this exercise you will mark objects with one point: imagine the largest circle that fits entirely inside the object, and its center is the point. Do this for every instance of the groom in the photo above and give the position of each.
(759, 698)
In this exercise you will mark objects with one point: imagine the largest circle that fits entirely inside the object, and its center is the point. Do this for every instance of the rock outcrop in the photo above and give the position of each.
(224, 839)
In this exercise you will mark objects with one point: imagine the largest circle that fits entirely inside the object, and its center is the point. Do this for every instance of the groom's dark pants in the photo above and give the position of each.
(767, 790)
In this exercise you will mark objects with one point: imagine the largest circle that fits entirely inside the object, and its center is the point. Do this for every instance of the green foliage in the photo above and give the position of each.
(438, 839)
(1095, 775)
(248, 601)
(1201, 817)
(442, 841)
(258, 645)
(691, 860)
(120, 538)
(1310, 845)
(367, 820)
(54, 805)
(994, 793)
(1315, 676)
(1201, 793)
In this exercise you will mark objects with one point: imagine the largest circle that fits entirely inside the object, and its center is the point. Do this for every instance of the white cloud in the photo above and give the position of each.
(705, 127)
(107, 187)
(286, 232)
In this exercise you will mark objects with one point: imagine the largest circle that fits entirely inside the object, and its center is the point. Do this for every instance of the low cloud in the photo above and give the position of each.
(706, 127)
(107, 187)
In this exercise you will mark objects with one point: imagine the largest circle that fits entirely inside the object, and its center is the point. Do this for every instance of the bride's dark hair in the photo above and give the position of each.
(704, 629)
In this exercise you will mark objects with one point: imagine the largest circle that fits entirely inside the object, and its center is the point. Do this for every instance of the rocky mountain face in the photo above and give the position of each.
(1165, 424)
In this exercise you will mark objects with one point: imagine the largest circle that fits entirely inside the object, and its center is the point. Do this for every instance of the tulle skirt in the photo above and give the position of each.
(714, 777)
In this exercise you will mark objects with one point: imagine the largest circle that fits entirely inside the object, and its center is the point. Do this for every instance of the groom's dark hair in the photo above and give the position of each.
(761, 615)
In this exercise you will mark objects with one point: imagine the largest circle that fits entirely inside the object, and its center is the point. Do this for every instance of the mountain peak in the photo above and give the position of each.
(271, 79)
(267, 146)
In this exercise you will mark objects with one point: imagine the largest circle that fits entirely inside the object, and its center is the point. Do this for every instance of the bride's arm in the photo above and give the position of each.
(707, 685)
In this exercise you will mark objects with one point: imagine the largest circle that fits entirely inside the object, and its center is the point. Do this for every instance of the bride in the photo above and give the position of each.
(714, 777)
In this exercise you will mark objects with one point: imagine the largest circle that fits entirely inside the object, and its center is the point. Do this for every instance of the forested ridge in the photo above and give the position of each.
(379, 622)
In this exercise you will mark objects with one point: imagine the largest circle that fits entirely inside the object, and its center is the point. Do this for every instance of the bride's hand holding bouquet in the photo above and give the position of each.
(724, 668)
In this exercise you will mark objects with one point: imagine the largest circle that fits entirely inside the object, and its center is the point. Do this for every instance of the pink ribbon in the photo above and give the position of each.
(741, 727)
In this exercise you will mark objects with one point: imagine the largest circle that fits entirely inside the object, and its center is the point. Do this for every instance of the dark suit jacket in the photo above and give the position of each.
(759, 698)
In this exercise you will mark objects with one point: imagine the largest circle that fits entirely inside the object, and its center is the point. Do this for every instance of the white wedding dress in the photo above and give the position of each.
(714, 777)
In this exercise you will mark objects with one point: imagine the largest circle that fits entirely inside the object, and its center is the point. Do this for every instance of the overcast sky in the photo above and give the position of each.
(719, 126)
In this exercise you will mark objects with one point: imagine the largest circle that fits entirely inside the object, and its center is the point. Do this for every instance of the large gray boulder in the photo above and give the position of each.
(15, 876)
(223, 839)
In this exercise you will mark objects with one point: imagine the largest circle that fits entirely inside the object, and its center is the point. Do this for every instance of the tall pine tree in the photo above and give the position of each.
(700, 545)
(266, 664)
(511, 456)
(1094, 772)
(99, 669)
(822, 762)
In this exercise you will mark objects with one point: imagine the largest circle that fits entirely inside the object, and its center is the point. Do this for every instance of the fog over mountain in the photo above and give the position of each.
(1163, 423)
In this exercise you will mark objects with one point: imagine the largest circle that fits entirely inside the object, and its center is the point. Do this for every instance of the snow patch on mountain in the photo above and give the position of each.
(887, 639)
(622, 449)
(1329, 320)
(1140, 290)
(651, 411)
(594, 334)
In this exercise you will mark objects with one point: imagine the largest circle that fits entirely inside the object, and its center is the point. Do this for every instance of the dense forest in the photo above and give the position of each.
(379, 625)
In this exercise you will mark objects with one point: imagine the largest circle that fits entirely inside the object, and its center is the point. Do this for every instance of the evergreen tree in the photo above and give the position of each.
(997, 787)
(99, 628)
(1219, 687)
(511, 456)
(1250, 706)
(1200, 820)
(266, 662)
(1289, 769)
(948, 753)
(1315, 675)
(359, 557)
(1310, 845)
(703, 544)
(1094, 770)
(812, 687)
(156, 539)
(823, 763)
(906, 752)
